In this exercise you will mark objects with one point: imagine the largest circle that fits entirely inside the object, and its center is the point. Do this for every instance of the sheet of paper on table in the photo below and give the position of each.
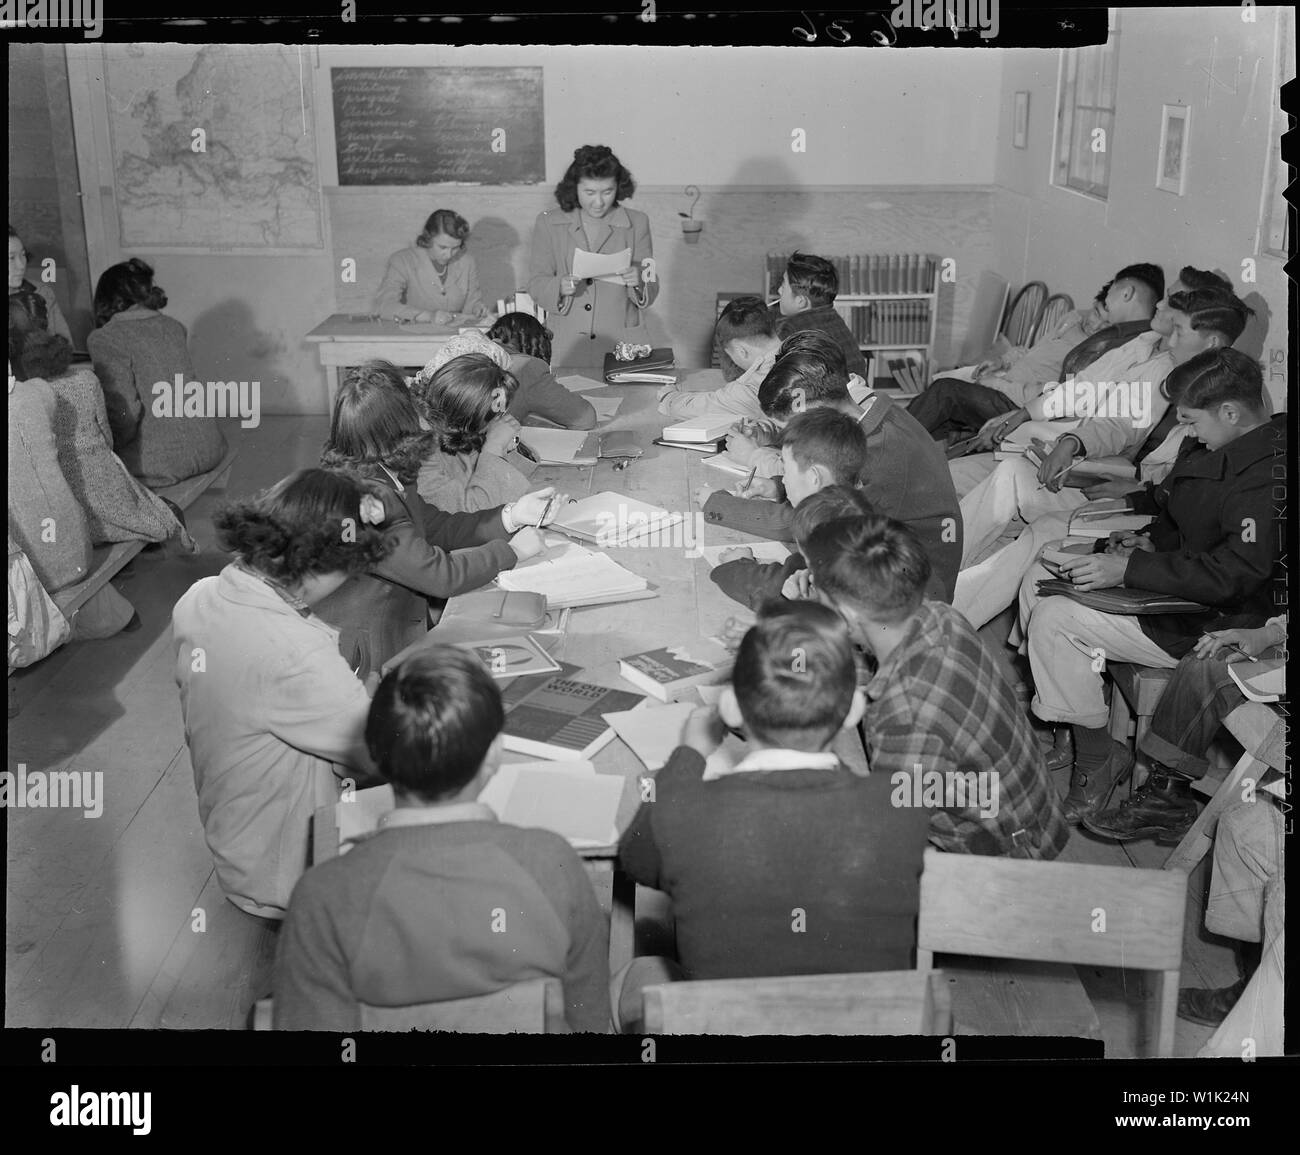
(652, 733)
(557, 446)
(576, 383)
(569, 798)
(764, 551)
(605, 407)
(600, 266)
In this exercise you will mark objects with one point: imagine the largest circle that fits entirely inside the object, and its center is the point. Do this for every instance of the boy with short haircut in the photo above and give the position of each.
(746, 335)
(938, 704)
(788, 832)
(807, 302)
(407, 917)
(906, 476)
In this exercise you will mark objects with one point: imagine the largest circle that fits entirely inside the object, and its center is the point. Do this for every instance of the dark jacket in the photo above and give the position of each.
(435, 556)
(1217, 536)
(906, 478)
(825, 320)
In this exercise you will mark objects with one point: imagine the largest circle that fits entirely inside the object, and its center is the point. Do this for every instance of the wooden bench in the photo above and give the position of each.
(108, 560)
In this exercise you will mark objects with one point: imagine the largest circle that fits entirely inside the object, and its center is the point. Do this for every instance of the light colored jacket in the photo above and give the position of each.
(411, 287)
(273, 718)
(588, 324)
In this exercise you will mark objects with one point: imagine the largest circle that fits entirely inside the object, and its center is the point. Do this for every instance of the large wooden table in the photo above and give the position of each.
(688, 606)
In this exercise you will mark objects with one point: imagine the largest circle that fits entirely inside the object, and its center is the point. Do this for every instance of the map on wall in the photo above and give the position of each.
(248, 179)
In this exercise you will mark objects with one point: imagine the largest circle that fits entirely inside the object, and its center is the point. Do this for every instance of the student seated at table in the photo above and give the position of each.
(464, 404)
(1109, 415)
(746, 333)
(806, 300)
(406, 916)
(435, 279)
(906, 475)
(786, 863)
(954, 407)
(375, 429)
(528, 342)
(1214, 540)
(1201, 693)
(274, 717)
(938, 705)
(134, 347)
(755, 583)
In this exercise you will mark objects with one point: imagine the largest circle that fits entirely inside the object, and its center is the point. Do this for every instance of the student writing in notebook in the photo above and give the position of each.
(528, 343)
(375, 430)
(443, 901)
(906, 473)
(746, 333)
(787, 829)
(465, 404)
(1214, 540)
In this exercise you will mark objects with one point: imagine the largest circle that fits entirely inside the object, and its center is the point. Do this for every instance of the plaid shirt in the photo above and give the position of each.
(940, 702)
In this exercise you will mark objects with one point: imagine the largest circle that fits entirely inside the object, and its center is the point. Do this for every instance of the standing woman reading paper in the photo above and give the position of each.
(435, 279)
(590, 314)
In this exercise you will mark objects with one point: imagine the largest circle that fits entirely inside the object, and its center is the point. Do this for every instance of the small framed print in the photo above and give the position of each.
(1020, 123)
(1171, 168)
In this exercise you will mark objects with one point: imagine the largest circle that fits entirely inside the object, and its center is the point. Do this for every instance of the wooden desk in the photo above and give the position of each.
(346, 339)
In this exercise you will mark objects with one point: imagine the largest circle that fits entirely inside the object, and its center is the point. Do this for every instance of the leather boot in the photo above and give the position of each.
(1090, 789)
(1162, 808)
(1211, 1007)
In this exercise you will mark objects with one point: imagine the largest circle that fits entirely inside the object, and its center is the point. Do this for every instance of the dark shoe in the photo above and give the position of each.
(1208, 1007)
(1090, 790)
(1162, 809)
(1061, 755)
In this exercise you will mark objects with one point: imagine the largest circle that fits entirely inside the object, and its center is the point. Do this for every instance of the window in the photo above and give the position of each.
(1086, 103)
(1275, 227)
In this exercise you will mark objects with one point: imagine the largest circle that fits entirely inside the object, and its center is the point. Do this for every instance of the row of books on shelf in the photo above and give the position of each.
(888, 322)
(870, 272)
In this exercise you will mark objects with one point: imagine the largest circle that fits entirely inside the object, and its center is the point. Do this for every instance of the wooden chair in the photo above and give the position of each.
(1135, 693)
(1050, 912)
(1021, 319)
(1262, 733)
(1058, 304)
(533, 1007)
(876, 1003)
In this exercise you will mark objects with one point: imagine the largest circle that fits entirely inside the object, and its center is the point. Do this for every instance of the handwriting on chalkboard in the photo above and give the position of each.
(427, 125)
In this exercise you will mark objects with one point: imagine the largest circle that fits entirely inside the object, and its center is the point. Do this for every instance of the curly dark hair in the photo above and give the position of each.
(462, 398)
(594, 162)
(446, 221)
(124, 285)
(309, 523)
(523, 333)
(33, 351)
(375, 422)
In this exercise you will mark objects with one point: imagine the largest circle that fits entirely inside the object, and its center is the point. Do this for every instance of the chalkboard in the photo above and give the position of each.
(427, 125)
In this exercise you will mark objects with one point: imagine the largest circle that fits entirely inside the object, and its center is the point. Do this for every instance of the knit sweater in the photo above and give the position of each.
(780, 872)
(408, 917)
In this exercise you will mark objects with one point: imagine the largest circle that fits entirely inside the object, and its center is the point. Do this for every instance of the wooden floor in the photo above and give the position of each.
(117, 920)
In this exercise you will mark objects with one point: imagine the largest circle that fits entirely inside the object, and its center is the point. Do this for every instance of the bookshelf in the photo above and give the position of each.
(888, 300)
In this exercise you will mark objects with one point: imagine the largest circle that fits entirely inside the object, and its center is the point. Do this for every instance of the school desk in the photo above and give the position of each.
(688, 606)
(346, 339)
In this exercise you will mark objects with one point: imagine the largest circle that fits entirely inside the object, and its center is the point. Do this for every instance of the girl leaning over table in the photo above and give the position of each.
(590, 315)
(435, 280)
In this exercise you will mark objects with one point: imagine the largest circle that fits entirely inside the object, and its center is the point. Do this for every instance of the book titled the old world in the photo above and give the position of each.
(559, 717)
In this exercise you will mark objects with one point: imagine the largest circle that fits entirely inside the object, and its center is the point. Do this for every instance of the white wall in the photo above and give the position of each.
(1075, 243)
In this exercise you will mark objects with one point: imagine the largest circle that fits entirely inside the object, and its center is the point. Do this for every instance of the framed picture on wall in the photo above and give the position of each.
(1171, 168)
(1020, 123)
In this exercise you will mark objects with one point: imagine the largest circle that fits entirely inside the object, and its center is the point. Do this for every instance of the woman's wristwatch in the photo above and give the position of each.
(508, 518)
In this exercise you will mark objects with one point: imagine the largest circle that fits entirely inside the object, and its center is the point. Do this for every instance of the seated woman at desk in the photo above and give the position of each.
(465, 405)
(434, 280)
(589, 315)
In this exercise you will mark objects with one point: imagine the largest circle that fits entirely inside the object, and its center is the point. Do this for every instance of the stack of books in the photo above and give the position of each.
(655, 369)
